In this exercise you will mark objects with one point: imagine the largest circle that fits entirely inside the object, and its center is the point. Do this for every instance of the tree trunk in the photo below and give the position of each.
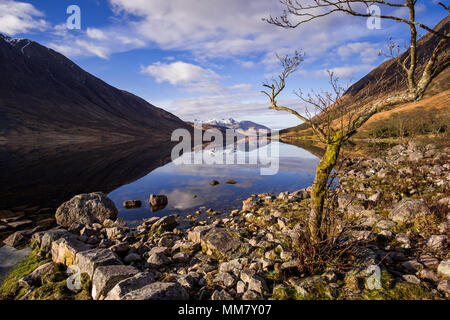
(319, 188)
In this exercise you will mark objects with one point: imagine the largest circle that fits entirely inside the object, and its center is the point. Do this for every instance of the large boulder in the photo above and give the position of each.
(158, 291)
(407, 210)
(86, 209)
(89, 260)
(106, 277)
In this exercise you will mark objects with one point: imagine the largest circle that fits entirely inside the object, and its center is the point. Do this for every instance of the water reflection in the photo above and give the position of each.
(188, 185)
(46, 176)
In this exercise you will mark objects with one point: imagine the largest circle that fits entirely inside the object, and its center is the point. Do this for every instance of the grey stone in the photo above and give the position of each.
(34, 278)
(444, 286)
(158, 259)
(158, 291)
(225, 278)
(221, 295)
(86, 209)
(106, 277)
(222, 241)
(132, 257)
(252, 295)
(64, 250)
(407, 210)
(180, 257)
(437, 242)
(90, 260)
(136, 282)
(167, 223)
(444, 268)
(411, 278)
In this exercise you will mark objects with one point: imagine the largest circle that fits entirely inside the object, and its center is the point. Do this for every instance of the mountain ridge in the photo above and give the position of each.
(43, 93)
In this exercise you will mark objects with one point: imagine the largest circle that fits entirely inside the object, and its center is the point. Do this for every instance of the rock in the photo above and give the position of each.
(404, 241)
(106, 277)
(385, 224)
(120, 248)
(86, 209)
(222, 241)
(221, 295)
(136, 282)
(214, 183)
(34, 278)
(163, 250)
(52, 235)
(231, 266)
(132, 204)
(301, 194)
(429, 275)
(416, 156)
(437, 242)
(185, 280)
(20, 224)
(198, 234)
(115, 233)
(249, 204)
(167, 223)
(429, 261)
(225, 278)
(158, 291)
(376, 197)
(18, 238)
(232, 181)
(444, 286)
(64, 250)
(158, 200)
(252, 295)
(412, 266)
(444, 268)
(132, 257)
(407, 210)
(90, 260)
(240, 287)
(257, 284)
(411, 278)
(180, 257)
(158, 259)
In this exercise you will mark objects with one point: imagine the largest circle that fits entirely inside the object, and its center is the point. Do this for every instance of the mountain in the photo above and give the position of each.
(45, 95)
(392, 77)
(243, 127)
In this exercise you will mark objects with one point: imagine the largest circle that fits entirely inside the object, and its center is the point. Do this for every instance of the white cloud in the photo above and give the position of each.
(193, 77)
(368, 52)
(217, 28)
(20, 17)
(93, 48)
(95, 33)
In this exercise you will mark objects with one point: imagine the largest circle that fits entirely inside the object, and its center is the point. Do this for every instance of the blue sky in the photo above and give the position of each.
(202, 59)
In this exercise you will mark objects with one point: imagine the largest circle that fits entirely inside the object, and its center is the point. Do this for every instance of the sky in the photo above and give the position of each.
(203, 59)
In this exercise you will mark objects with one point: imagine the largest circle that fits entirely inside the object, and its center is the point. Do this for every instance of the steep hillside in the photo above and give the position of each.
(44, 94)
(393, 78)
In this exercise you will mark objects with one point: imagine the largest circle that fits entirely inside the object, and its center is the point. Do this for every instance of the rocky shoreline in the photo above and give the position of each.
(398, 205)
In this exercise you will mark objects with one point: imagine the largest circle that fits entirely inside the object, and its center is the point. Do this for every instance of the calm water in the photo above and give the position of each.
(46, 176)
(187, 186)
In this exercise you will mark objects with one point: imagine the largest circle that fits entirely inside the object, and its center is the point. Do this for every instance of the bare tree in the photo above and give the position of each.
(334, 125)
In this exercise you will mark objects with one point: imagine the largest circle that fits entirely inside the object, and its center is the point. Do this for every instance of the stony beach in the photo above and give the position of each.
(393, 212)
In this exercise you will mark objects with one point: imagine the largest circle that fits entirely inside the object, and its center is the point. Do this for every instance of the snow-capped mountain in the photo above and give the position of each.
(239, 126)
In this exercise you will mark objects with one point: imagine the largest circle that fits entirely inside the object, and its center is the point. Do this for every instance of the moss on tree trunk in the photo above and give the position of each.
(319, 188)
